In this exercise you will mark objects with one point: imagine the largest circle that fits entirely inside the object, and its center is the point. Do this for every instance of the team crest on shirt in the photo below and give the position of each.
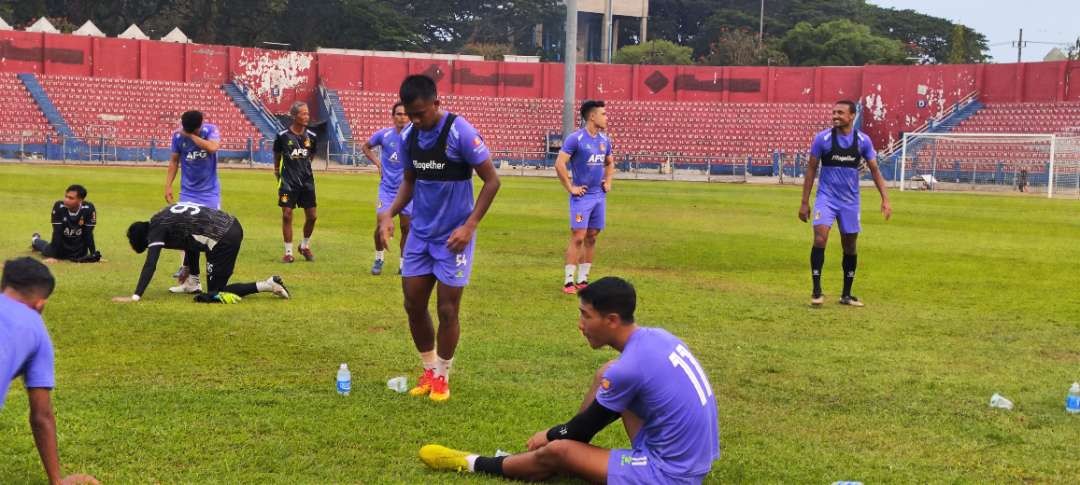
(476, 141)
(307, 142)
(284, 198)
(605, 384)
(603, 147)
(579, 218)
(81, 221)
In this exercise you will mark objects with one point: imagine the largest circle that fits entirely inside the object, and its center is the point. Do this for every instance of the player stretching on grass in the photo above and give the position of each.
(195, 229)
(656, 387)
(440, 151)
(843, 153)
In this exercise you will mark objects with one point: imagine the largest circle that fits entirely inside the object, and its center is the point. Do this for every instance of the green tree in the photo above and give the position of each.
(740, 47)
(840, 43)
(653, 52)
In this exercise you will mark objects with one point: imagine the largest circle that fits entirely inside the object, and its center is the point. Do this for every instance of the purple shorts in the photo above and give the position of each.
(827, 211)
(212, 201)
(421, 258)
(637, 467)
(587, 211)
(386, 199)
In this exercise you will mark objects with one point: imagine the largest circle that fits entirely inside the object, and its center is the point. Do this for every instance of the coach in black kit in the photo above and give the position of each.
(192, 227)
(73, 221)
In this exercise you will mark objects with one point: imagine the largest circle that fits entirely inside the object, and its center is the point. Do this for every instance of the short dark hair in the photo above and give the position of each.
(611, 294)
(137, 235)
(399, 103)
(27, 276)
(417, 86)
(191, 120)
(850, 105)
(78, 189)
(590, 105)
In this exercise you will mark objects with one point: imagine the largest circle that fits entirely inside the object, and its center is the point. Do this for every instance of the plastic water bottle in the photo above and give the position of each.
(846, 482)
(344, 380)
(1072, 402)
(398, 384)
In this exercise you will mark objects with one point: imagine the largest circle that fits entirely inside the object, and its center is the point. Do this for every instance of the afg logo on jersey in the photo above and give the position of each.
(196, 155)
(299, 152)
(597, 159)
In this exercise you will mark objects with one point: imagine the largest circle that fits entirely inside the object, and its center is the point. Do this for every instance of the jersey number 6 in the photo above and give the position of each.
(185, 207)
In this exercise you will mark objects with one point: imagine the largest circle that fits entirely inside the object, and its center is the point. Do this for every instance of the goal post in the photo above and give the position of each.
(1044, 164)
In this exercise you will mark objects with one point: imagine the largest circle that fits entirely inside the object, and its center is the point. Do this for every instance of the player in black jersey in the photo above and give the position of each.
(294, 151)
(73, 221)
(191, 227)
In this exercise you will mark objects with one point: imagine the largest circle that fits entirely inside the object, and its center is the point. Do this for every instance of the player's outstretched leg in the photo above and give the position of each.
(568, 457)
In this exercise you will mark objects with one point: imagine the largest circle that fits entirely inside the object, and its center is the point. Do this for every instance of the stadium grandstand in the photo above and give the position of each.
(111, 99)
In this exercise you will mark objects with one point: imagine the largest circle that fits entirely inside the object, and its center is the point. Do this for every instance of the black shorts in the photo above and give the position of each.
(304, 198)
(221, 260)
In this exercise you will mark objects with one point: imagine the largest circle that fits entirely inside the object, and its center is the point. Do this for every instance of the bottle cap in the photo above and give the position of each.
(344, 367)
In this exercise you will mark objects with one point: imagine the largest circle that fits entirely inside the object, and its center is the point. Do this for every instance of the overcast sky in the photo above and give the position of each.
(1000, 21)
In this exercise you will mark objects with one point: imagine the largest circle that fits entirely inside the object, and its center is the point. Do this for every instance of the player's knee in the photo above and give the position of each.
(413, 307)
(554, 456)
(448, 313)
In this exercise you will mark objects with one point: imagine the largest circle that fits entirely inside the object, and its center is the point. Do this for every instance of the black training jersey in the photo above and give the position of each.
(73, 231)
(297, 153)
(188, 226)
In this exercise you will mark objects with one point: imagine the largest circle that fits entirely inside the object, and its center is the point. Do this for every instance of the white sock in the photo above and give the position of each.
(288, 247)
(429, 359)
(192, 280)
(380, 255)
(443, 368)
(583, 272)
(472, 462)
(305, 243)
(182, 256)
(570, 269)
(264, 286)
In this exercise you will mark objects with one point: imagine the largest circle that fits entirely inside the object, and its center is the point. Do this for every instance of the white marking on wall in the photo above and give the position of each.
(875, 106)
(269, 75)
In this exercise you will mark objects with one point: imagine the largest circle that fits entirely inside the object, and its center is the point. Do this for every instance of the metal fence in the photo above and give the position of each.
(105, 149)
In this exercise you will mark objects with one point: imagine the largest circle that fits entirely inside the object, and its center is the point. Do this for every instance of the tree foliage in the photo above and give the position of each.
(705, 26)
(653, 52)
(840, 43)
(740, 47)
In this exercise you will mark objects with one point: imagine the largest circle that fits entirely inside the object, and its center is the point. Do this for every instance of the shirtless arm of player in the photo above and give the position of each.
(879, 182)
(369, 152)
(170, 177)
(808, 183)
(462, 235)
(404, 196)
(564, 175)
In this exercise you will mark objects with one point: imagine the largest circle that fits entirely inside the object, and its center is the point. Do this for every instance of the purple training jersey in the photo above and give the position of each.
(587, 156)
(658, 380)
(439, 207)
(25, 348)
(198, 168)
(839, 183)
(389, 140)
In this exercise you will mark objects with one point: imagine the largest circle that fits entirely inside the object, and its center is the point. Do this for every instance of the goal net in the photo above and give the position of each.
(1047, 165)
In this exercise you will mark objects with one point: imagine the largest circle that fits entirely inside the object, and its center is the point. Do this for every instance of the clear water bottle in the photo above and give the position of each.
(398, 384)
(344, 380)
(846, 482)
(1072, 401)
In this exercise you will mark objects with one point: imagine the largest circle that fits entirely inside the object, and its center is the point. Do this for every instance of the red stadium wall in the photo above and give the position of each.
(894, 98)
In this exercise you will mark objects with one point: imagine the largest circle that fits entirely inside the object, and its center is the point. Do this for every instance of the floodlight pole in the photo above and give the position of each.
(569, 68)
(761, 25)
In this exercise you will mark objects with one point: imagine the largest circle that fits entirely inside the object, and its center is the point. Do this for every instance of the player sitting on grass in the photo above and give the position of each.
(194, 228)
(73, 221)
(656, 386)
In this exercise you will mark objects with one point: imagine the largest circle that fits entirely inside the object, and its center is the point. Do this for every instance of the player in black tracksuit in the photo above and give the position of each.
(73, 221)
(192, 227)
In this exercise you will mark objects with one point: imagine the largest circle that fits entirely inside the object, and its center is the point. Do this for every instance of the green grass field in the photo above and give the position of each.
(967, 295)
